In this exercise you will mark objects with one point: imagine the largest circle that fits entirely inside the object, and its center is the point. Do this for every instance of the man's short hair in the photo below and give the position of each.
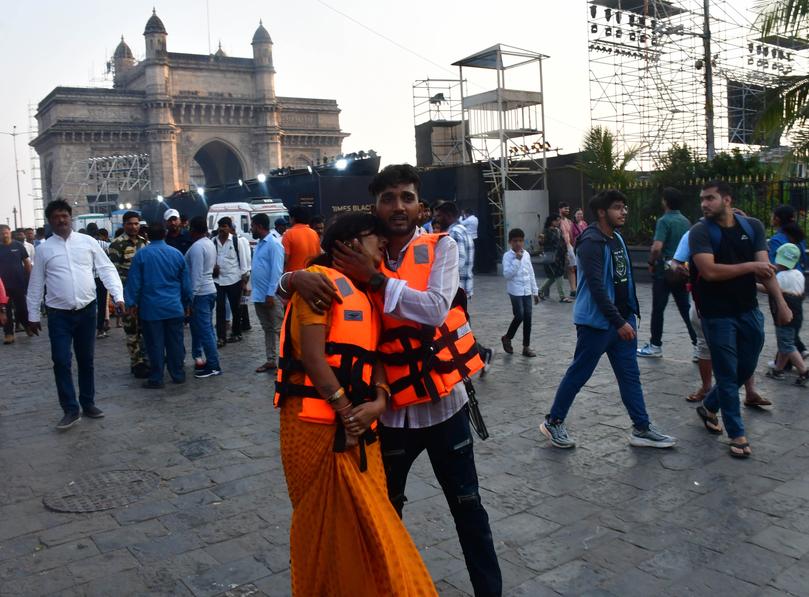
(672, 197)
(562, 204)
(27, 229)
(183, 217)
(300, 213)
(448, 207)
(157, 230)
(130, 214)
(392, 175)
(198, 225)
(5, 227)
(281, 223)
(605, 199)
(92, 228)
(515, 233)
(262, 221)
(723, 188)
(57, 205)
(225, 221)
(41, 230)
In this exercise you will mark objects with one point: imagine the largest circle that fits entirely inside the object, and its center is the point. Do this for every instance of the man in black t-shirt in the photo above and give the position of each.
(15, 267)
(728, 256)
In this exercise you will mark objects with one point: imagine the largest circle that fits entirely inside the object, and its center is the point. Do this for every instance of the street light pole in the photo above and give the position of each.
(13, 134)
(709, 114)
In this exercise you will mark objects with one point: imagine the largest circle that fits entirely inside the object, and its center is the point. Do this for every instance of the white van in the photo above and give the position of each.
(241, 212)
(100, 220)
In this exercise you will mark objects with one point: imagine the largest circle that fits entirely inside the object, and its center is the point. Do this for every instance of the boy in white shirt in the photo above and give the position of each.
(792, 282)
(521, 286)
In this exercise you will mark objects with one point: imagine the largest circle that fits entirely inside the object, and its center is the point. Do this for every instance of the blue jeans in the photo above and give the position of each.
(79, 329)
(449, 447)
(203, 337)
(164, 345)
(591, 343)
(735, 343)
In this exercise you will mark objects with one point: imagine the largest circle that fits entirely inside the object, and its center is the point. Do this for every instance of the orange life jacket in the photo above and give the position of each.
(423, 362)
(350, 350)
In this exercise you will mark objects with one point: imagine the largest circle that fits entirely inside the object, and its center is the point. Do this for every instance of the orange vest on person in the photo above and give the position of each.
(423, 362)
(351, 342)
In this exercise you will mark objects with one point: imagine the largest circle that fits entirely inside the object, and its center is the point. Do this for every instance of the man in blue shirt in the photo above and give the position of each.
(158, 289)
(268, 265)
(201, 258)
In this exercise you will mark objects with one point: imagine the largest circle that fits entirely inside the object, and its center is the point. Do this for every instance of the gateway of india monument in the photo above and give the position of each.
(175, 120)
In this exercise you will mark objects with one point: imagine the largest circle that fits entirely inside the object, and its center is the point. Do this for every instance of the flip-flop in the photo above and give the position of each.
(755, 400)
(708, 420)
(265, 367)
(741, 447)
(697, 396)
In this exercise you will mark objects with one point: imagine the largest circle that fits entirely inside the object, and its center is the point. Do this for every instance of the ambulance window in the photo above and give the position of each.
(245, 224)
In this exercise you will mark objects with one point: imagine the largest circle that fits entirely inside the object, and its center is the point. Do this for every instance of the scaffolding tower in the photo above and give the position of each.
(505, 127)
(36, 175)
(437, 119)
(647, 62)
(96, 184)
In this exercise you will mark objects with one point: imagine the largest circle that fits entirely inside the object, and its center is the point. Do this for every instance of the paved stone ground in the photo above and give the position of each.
(603, 519)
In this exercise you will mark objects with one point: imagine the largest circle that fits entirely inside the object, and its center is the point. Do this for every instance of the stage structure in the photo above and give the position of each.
(437, 119)
(649, 64)
(505, 130)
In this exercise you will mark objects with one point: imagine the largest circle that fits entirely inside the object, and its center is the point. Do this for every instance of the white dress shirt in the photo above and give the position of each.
(519, 274)
(471, 224)
(429, 307)
(231, 267)
(30, 249)
(66, 267)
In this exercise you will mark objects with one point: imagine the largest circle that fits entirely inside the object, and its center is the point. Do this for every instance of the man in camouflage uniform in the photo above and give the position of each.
(121, 252)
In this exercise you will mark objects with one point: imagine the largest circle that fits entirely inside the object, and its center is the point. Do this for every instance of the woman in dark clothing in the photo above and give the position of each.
(555, 271)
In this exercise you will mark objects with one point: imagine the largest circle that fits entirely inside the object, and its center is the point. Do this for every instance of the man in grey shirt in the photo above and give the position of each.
(201, 258)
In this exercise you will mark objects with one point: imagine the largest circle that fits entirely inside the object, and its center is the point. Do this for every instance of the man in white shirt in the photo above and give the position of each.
(65, 264)
(245, 254)
(230, 274)
(470, 222)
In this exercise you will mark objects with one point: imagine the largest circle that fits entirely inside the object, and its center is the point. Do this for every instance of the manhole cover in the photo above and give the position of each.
(102, 491)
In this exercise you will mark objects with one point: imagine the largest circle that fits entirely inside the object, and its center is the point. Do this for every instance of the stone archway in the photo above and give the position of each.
(218, 163)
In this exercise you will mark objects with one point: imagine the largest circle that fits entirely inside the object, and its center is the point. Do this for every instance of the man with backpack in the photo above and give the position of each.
(728, 256)
(229, 273)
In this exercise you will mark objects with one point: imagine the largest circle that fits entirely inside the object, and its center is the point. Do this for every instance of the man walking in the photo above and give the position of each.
(176, 235)
(567, 234)
(230, 273)
(158, 290)
(65, 266)
(301, 243)
(268, 265)
(201, 259)
(415, 291)
(121, 252)
(605, 316)
(728, 256)
(15, 268)
(670, 228)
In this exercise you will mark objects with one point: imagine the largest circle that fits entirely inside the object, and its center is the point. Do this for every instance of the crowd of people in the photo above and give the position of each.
(368, 336)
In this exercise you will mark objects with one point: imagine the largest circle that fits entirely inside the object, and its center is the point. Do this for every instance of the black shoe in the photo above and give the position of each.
(232, 339)
(179, 380)
(507, 345)
(68, 421)
(152, 385)
(220, 343)
(93, 412)
(247, 329)
(140, 371)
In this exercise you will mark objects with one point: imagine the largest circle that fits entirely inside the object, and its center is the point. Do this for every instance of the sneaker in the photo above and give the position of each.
(556, 432)
(650, 351)
(774, 373)
(507, 345)
(93, 412)
(199, 363)
(527, 352)
(232, 339)
(771, 364)
(101, 334)
(803, 379)
(486, 355)
(650, 438)
(68, 421)
(202, 373)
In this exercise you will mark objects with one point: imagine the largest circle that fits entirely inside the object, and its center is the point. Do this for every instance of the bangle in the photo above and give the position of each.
(340, 410)
(281, 282)
(385, 388)
(340, 393)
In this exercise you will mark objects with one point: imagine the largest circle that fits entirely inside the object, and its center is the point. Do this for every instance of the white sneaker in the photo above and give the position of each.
(651, 351)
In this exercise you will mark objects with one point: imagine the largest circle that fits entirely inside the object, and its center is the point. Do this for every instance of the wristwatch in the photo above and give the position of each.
(377, 281)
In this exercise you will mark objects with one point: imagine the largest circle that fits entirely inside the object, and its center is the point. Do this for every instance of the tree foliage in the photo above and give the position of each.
(602, 163)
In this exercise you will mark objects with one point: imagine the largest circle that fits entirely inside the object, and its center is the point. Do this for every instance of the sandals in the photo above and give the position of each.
(744, 447)
(697, 396)
(266, 367)
(709, 419)
(754, 399)
(565, 299)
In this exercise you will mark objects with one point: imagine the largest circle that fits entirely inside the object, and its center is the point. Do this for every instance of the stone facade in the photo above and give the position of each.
(202, 119)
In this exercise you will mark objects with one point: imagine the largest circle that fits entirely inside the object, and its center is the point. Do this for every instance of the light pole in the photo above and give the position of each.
(13, 134)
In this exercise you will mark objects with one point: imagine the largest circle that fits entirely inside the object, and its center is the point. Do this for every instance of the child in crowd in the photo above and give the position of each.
(791, 281)
(522, 286)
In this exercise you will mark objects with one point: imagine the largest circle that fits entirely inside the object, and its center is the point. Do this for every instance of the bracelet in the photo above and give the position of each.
(385, 388)
(340, 393)
(341, 410)
(281, 282)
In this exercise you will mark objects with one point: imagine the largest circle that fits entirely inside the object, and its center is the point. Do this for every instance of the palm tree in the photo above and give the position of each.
(603, 163)
(788, 114)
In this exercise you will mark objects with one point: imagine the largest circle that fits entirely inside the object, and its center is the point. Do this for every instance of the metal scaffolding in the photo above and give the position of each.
(437, 119)
(36, 173)
(93, 185)
(648, 70)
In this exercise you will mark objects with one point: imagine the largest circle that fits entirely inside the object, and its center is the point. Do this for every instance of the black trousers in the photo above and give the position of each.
(232, 294)
(16, 309)
(522, 308)
(449, 447)
(660, 298)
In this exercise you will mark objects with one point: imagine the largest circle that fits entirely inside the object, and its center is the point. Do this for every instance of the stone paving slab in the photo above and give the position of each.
(604, 519)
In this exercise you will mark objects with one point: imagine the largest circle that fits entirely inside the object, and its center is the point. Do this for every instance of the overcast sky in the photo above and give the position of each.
(367, 58)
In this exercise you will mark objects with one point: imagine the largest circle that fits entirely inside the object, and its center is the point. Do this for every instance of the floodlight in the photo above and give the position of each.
(120, 206)
(201, 191)
(241, 182)
(309, 168)
(129, 206)
(261, 177)
(341, 164)
(160, 198)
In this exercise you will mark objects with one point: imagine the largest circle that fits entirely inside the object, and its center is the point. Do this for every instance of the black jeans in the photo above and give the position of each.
(19, 312)
(521, 307)
(232, 294)
(660, 298)
(450, 449)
